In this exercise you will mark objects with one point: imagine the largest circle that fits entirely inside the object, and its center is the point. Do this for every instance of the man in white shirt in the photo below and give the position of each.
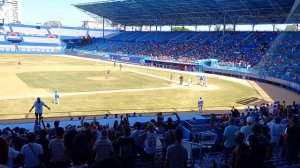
(31, 152)
(12, 154)
(247, 129)
(38, 105)
(200, 104)
(102, 147)
(276, 130)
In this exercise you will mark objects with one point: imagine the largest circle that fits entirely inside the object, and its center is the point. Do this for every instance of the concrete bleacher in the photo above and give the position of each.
(68, 32)
(41, 40)
(30, 31)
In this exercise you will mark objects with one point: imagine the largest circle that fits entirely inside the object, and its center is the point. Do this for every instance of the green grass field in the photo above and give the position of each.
(125, 91)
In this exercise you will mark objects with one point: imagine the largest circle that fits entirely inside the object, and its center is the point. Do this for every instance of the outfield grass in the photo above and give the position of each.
(70, 75)
(77, 81)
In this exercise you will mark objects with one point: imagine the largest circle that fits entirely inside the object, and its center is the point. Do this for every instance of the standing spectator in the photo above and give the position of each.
(42, 140)
(12, 154)
(259, 147)
(234, 112)
(247, 130)
(135, 135)
(52, 131)
(3, 152)
(228, 137)
(177, 155)
(149, 138)
(126, 149)
(240, 152)
(80, 151)
(292, 141)
(57, 150)
(276, 130)
(168, 139)
(32, 152)
(102, 147)
(200, 104)
(38, 105)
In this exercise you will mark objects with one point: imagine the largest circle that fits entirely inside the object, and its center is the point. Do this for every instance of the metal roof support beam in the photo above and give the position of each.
(224, 11)
(247, 9)
(103, 28)
(274, 8)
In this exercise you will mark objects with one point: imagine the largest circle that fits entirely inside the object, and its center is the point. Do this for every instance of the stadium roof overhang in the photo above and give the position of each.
(195, 12)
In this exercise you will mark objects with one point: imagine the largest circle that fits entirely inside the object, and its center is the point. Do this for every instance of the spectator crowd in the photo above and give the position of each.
(256, 138)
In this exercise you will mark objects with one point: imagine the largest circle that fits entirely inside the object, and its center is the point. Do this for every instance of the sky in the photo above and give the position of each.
(40, 11)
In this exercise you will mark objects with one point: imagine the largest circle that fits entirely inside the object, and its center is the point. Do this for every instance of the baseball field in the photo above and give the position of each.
(86, 89)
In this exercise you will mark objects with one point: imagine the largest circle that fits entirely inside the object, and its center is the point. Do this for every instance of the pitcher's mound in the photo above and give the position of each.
(100, 78)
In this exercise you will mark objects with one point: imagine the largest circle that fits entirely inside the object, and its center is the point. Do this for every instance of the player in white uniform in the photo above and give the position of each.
(56, 97)
(190, 82)
(200, 104)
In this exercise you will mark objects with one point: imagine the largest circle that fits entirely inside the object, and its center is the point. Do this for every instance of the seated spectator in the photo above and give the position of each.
(177, 155)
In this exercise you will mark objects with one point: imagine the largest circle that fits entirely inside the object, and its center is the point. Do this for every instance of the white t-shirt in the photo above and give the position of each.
(150, 143)
(247, 130)
(31, 160)
(275, 131)
(38, 107)
(200, 102)
(12, 154)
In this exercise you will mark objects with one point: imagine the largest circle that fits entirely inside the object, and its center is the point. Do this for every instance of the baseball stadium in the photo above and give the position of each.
(184, 83)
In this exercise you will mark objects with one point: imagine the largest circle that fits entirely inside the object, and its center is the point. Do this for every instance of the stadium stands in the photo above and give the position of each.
(233, 50)
(202, 136)
(41, 39)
